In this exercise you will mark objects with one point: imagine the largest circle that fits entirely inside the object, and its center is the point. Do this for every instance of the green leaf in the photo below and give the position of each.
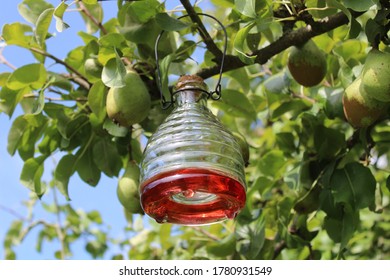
(328, 142)
(75, 125)
(246, 7)
(108, 45)
(145, 10)
(164, 70)
(29, 75)
(388, 182)
(341, 229)
(168, 23)
(272, 164)
(112, 40)
(58, 15)
(106, 158)
(236, 104)
(18, 34)
(114, 129)
(350, 49)
(114, 72)
(184, 51)
(86, 37)
(358, 6)
(95, 216)
(224, 248)
(97, 100)
(9, 99)
(353, 185)
(352, 33)
(30, 10)
(3, 78)
(76, 58)
(145, 33)
(39, 103)
(240, 46)
(12, 237)
(89, 2)
(36, 124)
(32, 173)
(250, 238)
(50, 141)
(15, 136)
(64, 170)
(294, 105)
(373, 29)
(96, 248)
(43, 24)
(277, 83)
(286, 142)
(87, 169)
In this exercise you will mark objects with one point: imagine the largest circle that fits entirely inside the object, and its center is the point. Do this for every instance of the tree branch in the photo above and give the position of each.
(12, 212)
(4, 61)
(86, 85)
(289, 39)
(91, 17)
(206, 233)
(210, 44)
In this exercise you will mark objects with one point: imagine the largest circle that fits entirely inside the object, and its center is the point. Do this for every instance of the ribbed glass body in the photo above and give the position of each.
(192, 172)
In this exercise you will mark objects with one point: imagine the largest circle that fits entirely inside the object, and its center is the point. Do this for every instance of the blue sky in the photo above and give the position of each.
(12, 192)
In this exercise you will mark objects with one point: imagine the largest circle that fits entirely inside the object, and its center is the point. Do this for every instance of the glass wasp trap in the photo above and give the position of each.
(192, 171)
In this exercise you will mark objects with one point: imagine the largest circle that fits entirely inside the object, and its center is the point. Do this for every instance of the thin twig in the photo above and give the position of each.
(79, 99)
(4, 61)
(60, 233)
(206, 233)
(86, 85)
(92, 18)
(12, 212)
(32, 225)
(210, 44)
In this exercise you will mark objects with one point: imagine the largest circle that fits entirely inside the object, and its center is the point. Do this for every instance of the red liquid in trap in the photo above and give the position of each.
(192, 196)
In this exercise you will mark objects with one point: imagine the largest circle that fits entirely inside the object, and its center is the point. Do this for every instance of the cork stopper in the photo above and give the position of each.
(192, 81)
(190, 89)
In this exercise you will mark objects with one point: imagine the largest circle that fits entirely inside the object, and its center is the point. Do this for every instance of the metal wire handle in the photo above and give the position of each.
(216, 94)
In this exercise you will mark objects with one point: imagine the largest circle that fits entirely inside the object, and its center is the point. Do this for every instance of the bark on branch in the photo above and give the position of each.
(210, 44)
(289, 39)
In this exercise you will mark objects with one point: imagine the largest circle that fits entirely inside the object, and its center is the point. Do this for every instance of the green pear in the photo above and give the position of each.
(376, 75)
(307, 64)
(129, 104)
(127, 190)
(93, 69)
(360, 109)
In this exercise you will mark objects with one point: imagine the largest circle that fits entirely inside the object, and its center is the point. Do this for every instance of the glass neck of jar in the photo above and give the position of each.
(190, 96)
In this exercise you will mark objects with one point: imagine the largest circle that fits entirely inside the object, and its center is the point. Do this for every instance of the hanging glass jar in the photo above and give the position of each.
(192, 172)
